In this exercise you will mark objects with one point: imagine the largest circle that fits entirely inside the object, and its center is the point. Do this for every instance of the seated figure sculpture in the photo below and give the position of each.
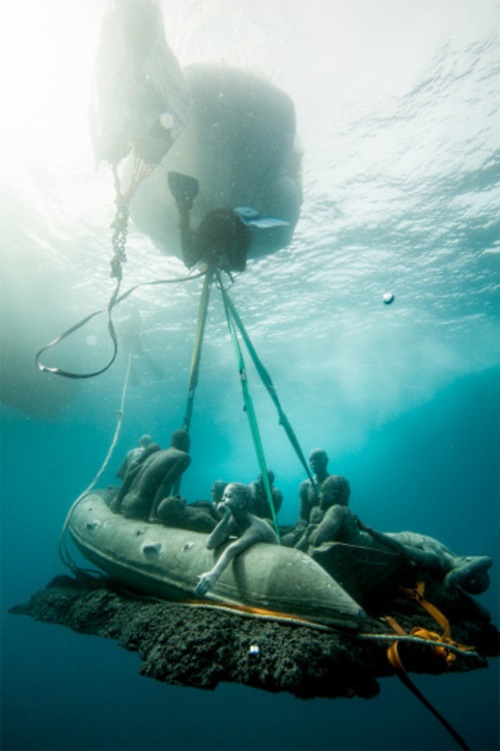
(217, 491)
(260, 504)
(236, 520)
(154, 479)
(199, 516)
(136, 456)
(334, 492)
(308, 492)
(308, 497)
(449, 577)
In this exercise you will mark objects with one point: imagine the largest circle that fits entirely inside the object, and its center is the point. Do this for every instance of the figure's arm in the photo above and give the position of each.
(427, 559)
(127, 481)
(222, 531)
(122, 469)
(305, 506)
(258, 531)
(304, 541)
(152, 448)
(179, 465)
(277, 499)
(208, 579)
(334, 526)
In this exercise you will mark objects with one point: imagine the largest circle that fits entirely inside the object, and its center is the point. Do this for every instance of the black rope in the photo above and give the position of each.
(114, 301)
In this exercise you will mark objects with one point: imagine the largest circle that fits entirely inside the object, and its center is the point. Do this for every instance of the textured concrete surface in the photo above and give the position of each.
(198, 646)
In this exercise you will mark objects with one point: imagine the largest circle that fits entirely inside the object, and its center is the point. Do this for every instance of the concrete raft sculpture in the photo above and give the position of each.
(166, 563)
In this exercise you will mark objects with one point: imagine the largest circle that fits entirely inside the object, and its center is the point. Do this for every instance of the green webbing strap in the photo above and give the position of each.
(266, 380)
(252, 419)
(195, 362)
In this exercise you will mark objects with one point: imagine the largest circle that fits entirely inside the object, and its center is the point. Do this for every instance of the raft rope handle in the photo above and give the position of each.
(252, 418)
(442, 646)
(63, 551)
(267, 381)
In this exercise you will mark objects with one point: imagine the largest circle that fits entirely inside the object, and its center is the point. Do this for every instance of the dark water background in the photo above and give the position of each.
(398, 109)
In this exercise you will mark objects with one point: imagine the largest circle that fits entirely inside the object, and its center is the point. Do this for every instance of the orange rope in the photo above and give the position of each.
(394, 657)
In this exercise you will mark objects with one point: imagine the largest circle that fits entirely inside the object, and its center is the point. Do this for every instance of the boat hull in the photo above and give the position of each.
(166, 562)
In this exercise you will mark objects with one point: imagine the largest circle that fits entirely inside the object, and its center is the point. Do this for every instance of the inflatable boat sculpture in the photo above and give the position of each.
(167, 562)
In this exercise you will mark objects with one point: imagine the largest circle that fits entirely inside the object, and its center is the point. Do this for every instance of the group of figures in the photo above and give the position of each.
(241, 514)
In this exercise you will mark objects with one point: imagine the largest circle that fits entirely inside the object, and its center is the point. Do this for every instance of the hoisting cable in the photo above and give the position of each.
(266, 380)
(196, 358)
(252, 419)
(80, 324)
(64, 553)
(119, 226)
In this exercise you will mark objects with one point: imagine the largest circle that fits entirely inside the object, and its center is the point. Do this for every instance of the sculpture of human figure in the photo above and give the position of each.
(236, 520)
(199, 516)
(154, 479)
(217, 491)
(308, 492)
(260, 503)
(335, 491)
(335, 522)
(130, 467)
(308, 497)
(134, 456)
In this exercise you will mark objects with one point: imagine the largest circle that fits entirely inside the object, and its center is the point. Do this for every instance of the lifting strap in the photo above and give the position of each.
(440, 651)
(266, 380)
(252, 419)
(196, 359)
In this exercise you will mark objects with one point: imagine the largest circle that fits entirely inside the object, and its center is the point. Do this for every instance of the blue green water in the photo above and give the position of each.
(66, 691)
(398, 108)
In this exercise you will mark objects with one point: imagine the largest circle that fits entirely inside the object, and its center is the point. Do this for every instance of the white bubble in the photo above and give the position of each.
(166, 120)
(388, 298)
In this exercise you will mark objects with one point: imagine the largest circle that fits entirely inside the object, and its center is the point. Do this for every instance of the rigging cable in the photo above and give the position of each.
(266, 380)
(252, 419)
(63, 551)
(196, 359)
(112, 304)
(119, 226)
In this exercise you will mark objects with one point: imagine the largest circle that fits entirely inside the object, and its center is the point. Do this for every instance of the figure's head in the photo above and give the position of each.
(145, 440)
(318, 461)
(237, 495)
(180, 440)
(478, 580)
(335, 491)
(217, 490)
(270, 477)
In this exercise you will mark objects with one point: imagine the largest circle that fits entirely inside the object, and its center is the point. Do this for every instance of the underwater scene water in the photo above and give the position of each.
(398, 113)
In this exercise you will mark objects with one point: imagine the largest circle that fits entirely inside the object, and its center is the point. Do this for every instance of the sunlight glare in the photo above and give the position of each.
(46, 58)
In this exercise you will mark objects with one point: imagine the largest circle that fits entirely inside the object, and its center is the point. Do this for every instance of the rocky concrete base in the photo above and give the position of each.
(198, 646)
